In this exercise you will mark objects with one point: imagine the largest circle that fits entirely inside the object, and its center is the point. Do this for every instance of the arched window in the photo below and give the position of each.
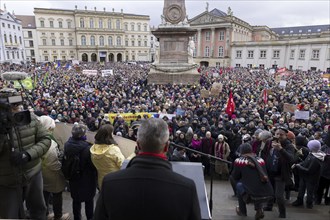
(118, 41)
(220, 51)
(100, 23)
(92, 41)
(5, 37)
(117, 24)
(83, 40)
(110, 42)
(91, 23)
(82, 23)
(10, 39)
(207, 52)
(15, 38)
(101, 41)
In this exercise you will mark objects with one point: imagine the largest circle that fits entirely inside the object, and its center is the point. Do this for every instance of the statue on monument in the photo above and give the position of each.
(191, 48)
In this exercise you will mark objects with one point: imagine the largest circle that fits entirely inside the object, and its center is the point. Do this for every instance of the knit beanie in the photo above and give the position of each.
(245, 148)
(291, 136)
(314, 145)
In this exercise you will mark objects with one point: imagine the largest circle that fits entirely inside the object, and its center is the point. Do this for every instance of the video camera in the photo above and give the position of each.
(8, 119)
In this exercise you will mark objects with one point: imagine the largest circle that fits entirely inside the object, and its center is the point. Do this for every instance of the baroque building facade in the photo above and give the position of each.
(91, 35)
(224, 40)
(11, 38)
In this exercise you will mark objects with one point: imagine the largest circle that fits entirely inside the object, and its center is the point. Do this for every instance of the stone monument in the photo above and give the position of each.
(174, 54)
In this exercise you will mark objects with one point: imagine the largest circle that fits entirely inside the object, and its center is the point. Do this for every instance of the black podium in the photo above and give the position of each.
(193, 171)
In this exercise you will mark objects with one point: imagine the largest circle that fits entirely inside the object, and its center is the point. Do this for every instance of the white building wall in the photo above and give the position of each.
(13, 52)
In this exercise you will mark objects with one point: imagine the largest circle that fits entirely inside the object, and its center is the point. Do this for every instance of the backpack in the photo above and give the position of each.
(71, 167)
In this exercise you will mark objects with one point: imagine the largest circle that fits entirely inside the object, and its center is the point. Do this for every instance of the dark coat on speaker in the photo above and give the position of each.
(147, 189)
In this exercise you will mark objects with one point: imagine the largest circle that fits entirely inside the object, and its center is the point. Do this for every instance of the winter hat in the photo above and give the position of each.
(47, 122)
(245, 148)
(78, 131)
(291, 136)
(314, 145)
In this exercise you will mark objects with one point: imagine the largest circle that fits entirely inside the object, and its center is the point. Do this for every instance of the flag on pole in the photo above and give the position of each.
(45, 78)
(264, 96)
(230, 105)
(58, 64)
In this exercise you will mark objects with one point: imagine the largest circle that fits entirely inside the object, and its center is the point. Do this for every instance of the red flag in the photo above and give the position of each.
(265, 97)
(230, 105)
(220, 71)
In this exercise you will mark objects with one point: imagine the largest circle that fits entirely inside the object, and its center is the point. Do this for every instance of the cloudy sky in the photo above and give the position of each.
(279, 13)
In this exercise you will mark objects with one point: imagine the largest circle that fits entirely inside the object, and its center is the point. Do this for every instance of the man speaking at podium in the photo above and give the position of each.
(148, 189)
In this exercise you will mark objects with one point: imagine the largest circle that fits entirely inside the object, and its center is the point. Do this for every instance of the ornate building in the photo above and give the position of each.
(224, 40)
(11, 38)
(91, 35)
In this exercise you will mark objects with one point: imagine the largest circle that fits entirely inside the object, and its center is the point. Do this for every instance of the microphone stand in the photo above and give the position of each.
(209, 156)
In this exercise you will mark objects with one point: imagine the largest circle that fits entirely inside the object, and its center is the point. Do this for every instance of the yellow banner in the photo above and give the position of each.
(128, 117)
(27, 83)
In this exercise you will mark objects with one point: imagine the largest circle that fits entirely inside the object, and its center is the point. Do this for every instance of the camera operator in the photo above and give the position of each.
(23, 141)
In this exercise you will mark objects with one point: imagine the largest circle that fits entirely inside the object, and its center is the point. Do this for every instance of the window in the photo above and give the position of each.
(315, 54)
(32, 53)
(10, 39)
(19, 28)
(3, 25)
(82, 23)
(276, 54)
(53, 42)
(126, 27)
(109, 24)
(292, 52)
(110, 42)
(7, 55)
(207, 35)
(92, 41)
(222, 35)
(118, 41)
(139, 27)
(44, 43)
(60, 24)
(101, 41)
(83, 40)
(17, 55)
(29, 34)
(132, 27)
(207, 51)
(13, 54)
(70, 42)
(100, 23)
(126, 43)
(31, 43)
(51, 24)
(15, 39)
(14, 27)
(250, 54)
(42, 23)
(220, 54)
(62, 42)
(145, 43)
(69, 24)
(139, 43)
(63, 57)
(132, 43)
(238, 54)
(117, 24)
(145, 28)
(46, 58)
(263, 54)
(20, 40)
(8, 25)
(302, 54)
(249, 66)
(91, 23)
(5, 37)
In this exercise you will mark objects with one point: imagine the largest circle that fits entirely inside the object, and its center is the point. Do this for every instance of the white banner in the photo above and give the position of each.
(75, 62)
(107, 72)
(283, 83)
(302, 115)
(90, 72)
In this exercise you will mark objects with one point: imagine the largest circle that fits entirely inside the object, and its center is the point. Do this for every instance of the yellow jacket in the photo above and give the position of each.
(106, 159)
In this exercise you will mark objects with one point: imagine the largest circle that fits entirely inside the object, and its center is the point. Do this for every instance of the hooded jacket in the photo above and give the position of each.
(106, 159)
(310, 168)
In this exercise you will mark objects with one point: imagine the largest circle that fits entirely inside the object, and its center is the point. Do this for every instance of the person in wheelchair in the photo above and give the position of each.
(252, 184)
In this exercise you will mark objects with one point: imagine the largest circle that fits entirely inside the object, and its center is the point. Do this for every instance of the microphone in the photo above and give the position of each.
(9, 76)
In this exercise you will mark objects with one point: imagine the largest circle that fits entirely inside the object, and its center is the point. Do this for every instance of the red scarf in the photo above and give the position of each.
(162, 156)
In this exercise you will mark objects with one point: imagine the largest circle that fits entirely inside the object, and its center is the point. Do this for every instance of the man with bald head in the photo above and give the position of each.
(148, 188)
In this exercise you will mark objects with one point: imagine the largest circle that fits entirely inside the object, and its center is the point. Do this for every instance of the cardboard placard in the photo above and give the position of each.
(283, 83)
(215, 92)
(289, 108)
(205, 93)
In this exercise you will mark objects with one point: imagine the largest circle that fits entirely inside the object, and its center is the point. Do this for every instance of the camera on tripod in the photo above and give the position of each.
(10, 99)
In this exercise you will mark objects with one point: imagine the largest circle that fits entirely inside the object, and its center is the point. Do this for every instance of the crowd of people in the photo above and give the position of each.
(280, 137)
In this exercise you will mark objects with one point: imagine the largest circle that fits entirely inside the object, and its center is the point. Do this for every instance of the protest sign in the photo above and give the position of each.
(302, 115)
(205, 93)
(283, 84)
(289, 108)
(90, 72)
(128, 117)
(107, 72)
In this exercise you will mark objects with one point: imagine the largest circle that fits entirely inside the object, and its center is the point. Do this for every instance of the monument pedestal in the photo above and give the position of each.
(173, 64)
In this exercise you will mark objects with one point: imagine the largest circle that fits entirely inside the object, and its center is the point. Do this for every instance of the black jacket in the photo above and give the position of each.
(82, 189)
(310, 168)
(147, 189)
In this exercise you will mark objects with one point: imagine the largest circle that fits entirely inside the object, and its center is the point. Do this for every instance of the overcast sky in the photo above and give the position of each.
(279, 13)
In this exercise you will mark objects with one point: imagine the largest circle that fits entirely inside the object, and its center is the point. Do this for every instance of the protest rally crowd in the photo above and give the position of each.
(248, 116)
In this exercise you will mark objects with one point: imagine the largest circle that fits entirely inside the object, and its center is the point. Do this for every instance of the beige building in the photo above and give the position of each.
(223, 40)
(92, 35)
